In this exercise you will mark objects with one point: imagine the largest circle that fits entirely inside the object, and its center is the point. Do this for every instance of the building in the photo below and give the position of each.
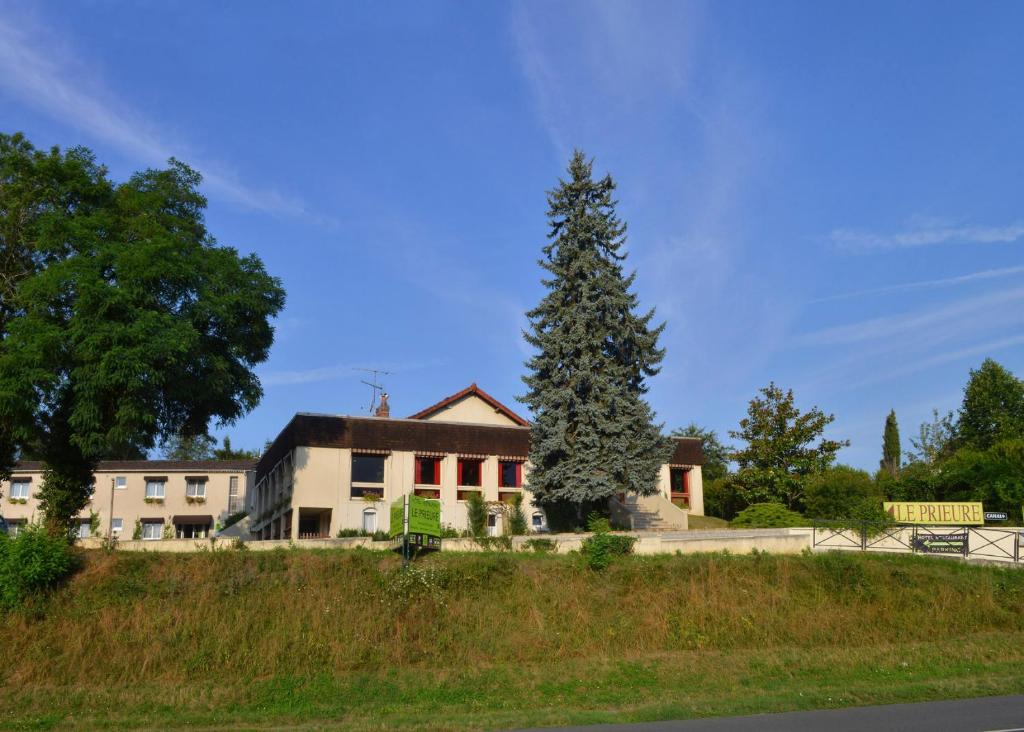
(326, 473)
(153, 499)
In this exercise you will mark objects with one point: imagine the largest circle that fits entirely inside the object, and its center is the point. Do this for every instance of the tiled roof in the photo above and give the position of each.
(232, 466)
(471, 390)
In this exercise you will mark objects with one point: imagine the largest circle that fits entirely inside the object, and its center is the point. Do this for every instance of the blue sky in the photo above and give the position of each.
(827, 195)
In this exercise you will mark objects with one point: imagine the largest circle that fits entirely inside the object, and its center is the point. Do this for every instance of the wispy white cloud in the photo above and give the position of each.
(987, 274)
(337, 372)
(966, 313)
(40, 71)
(929, 233)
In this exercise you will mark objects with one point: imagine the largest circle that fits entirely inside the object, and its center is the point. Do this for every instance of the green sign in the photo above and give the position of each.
(397, 517)
(424, 516)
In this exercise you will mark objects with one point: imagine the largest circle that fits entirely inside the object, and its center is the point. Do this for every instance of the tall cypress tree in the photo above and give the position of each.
(890, 461)
(593, 433)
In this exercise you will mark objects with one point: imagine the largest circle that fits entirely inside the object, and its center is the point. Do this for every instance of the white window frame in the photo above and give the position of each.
(23, 491)
(159, 530)
(195, 488)
(84, 529)
(120, 482)
(371, 514)
(163, 488)
(117, 526)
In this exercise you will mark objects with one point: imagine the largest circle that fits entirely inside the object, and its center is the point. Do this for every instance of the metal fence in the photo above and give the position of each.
(969, 542)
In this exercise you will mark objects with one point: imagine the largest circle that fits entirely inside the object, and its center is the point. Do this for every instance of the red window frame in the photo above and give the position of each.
(480, 471)
(685, 494)
(419, 470)
(519, 473)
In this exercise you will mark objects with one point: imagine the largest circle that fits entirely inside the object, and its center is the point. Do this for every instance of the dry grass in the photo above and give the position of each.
(232, 632)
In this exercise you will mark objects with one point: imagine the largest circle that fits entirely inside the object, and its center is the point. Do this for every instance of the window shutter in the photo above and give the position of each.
(686, 482)
(419, 470)
(519, 475)
(461, 465)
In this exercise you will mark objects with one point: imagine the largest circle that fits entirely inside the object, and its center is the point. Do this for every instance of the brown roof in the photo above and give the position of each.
(202, 520)
(471, 390)
(688, 451)
(381, 433)
(415, 435)
(34, 466)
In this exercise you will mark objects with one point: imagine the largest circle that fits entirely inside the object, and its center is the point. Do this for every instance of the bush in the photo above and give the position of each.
(31, 564)
(517, 517)
(768, 516)
(600, 549)
(598, 523)
(476, 510)
(842, 493)
(541, 546)
(722, 498)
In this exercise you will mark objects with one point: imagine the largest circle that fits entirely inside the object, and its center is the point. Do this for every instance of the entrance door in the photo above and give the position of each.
(492, 524)
(369, 521)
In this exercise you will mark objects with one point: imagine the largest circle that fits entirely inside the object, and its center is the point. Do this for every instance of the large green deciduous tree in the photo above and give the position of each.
(593, 434)
(716, 455)
(121, 319)
(780, 450)
(992, 408)
(890, 462)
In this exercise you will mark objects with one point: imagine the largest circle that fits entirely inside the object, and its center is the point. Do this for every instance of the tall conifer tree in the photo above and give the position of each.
(890, 462)
(593, 433)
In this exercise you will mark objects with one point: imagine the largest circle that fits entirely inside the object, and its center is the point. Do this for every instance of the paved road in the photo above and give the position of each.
(989, 714)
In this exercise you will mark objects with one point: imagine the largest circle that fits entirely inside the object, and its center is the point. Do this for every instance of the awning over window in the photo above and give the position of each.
(153, 520)
(198, 520)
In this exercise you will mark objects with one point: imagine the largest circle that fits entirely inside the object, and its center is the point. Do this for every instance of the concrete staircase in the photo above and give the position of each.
(649, 513)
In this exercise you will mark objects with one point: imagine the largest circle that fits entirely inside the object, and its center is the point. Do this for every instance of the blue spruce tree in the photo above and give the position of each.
(593, 434)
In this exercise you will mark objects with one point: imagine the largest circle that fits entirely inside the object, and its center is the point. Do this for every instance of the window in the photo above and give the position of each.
(15, 527)
(120, 482)
(20, 488)
(234, 501)
(367, 469)
(195, 487)
(469, 471)
(492, 524)
(538, 521)
(510, 474)
(154, 488)
(369, 521)
(679, 484)
(191, 531)
(428, 471)
(83, 531)
(152, 530)
(116, 526)
(463, 495)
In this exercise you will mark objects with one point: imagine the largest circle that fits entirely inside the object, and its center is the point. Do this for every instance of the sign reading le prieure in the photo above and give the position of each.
(424, 520)
(958, 513)
(941, 543)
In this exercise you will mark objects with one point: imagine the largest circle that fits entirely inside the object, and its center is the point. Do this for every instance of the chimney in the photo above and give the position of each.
(384, 410)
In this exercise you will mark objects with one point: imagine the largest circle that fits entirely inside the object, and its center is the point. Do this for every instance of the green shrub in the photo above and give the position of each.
(31, 564)
(541, 546)
(768, 516)
(598, 523)
(600, 549)
(722, 498)
(517, 517)
(843, 493)
(233, 519)
(476, 509)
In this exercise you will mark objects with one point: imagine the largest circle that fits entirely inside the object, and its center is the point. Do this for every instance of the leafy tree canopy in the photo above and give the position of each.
(992, 408)
(593, 433)
(782, 447)
(935, 440)
(716, 455)
(121, 320)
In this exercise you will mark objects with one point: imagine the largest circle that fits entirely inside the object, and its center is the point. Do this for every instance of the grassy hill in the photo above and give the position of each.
(286, 638)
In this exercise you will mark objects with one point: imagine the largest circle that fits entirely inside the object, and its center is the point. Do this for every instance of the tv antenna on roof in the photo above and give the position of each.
(375, 385)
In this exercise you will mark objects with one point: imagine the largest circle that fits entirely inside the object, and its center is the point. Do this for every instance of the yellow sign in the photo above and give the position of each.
(958, 513)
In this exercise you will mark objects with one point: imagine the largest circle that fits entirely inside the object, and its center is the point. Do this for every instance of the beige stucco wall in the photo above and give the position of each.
(472, 409)
(322, 479)
(129, 502)
(696, 488)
